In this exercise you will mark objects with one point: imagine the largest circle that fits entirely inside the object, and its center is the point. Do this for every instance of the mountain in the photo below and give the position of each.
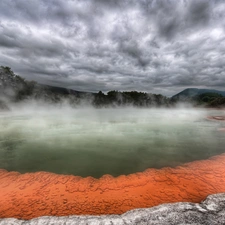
(201, 97)
(189, 93)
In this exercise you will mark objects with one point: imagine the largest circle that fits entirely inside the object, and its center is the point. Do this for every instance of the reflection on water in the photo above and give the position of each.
(89, 142)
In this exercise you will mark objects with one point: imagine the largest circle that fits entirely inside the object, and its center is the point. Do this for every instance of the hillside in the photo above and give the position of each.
(16, 89)
(192, 92)
(201, 97)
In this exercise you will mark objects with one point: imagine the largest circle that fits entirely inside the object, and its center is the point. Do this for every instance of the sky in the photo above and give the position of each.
(155, 46)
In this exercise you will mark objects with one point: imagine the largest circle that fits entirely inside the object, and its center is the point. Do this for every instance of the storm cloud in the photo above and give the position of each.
(157, 46)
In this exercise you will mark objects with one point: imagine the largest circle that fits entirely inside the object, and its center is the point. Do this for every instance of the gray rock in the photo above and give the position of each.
(209, 212)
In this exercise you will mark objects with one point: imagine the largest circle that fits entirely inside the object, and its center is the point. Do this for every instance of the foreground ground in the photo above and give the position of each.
(30, 195)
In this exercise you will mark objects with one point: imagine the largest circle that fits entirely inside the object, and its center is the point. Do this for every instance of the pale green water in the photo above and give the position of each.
(90, 142)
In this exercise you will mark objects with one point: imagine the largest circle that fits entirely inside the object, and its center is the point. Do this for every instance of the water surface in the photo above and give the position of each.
(94, 142)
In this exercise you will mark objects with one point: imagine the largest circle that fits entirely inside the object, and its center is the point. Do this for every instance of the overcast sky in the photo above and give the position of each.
(156, 46)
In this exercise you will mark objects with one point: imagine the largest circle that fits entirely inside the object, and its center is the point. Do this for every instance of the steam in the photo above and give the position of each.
(91, 142)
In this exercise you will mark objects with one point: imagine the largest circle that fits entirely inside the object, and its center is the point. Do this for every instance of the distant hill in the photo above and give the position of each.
(189, 93)
(201, 97)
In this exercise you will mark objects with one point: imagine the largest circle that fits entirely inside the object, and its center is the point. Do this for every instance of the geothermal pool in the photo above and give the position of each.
(94, 142)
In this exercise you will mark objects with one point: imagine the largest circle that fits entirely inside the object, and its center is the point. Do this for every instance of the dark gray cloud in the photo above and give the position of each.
(159, 46)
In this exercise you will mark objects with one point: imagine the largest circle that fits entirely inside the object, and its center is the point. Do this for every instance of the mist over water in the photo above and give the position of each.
(94, 142)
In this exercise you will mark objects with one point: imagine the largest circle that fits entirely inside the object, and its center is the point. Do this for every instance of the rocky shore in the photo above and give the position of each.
(209, 212)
